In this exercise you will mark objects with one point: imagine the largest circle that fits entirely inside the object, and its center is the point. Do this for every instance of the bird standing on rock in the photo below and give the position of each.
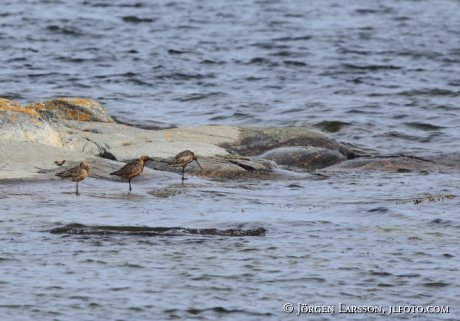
(132, 170)
(76, 174)
(183, 159)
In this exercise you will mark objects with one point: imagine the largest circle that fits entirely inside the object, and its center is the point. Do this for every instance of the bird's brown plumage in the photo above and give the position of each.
(183, 159)
(132, 170)
(75, 174)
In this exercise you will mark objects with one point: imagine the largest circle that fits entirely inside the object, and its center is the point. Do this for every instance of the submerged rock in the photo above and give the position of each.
(165, 192)
(304, 157)
(256, 140)
(153, 231)
(396, 163)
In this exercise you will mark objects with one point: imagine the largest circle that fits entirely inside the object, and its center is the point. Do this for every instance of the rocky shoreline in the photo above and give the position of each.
(35, 136)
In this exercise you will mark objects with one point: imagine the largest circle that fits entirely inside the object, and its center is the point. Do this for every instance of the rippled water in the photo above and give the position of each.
(388, 70)
(383, 77)
(346, 241)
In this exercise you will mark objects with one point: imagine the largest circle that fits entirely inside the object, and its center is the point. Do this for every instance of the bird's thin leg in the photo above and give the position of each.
(76, 192)
(183, 177)
(129, 181)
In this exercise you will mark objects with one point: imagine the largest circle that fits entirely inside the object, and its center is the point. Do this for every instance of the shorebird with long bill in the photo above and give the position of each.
(132, 170)
(75, 174)
(183, 159)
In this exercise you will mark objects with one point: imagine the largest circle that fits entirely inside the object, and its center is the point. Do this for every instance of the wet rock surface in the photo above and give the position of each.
(402, 163)
(256, 140)
(153, 231)
(304, 157)
(165, 192)
(229, 166)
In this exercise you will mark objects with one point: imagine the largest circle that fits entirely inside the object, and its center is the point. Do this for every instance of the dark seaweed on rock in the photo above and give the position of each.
(152, 231)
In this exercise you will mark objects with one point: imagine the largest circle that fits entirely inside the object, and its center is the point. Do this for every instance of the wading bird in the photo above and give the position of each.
(183, 159)
(76, 174)
(132, 170)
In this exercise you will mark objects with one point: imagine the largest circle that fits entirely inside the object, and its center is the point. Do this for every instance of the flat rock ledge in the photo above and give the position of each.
(35, 136)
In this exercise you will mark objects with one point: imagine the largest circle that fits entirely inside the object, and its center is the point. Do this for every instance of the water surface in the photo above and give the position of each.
(381, 77)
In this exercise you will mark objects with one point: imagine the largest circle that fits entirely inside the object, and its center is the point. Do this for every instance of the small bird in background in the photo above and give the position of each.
(183, 159)
(132, 170)
(75, 174)
(59, 163)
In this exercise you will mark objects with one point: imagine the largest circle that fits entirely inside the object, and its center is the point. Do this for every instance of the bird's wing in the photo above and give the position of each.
(73, 172)
(127, 169)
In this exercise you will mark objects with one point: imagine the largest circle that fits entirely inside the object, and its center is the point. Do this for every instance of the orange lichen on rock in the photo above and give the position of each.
(9, 102)
(79, 101)
(71, 114)
(43, 106)
(38, 106)
(62, 103)
(80, 109)
(12, 118)
(14, 106)
(84, 117)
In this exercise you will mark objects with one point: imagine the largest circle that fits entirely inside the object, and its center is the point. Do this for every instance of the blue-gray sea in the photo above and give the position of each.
(382, 77)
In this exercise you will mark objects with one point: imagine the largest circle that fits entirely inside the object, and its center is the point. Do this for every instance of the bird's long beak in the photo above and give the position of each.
(198, 164)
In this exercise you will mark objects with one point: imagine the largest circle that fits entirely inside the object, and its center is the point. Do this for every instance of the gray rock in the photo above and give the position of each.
(228, 166)
(71, 109)
(165, 192)
(125, 143)
(21, 124)
(402, 163)
(27, 160)
(304, 157)
(80, 130)
(256, 140)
